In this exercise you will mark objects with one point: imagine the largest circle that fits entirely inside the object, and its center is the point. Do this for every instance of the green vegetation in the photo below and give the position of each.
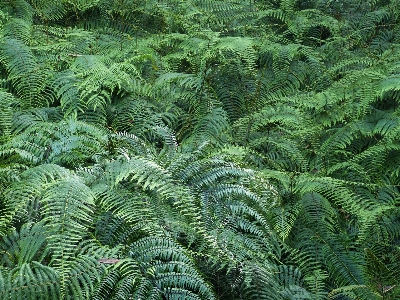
(200, 149)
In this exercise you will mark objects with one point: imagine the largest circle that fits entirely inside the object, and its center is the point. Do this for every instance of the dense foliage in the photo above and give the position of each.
(200, 149)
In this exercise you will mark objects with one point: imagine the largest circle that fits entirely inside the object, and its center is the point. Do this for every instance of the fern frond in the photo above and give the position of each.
(7, 105)
(170, 268)
(33, 281)
(24, 72)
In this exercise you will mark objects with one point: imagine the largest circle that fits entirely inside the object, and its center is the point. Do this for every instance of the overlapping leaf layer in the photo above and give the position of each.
(200, 149)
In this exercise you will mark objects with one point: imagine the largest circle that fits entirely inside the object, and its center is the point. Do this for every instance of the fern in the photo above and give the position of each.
(199, 149)
(24, 71)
